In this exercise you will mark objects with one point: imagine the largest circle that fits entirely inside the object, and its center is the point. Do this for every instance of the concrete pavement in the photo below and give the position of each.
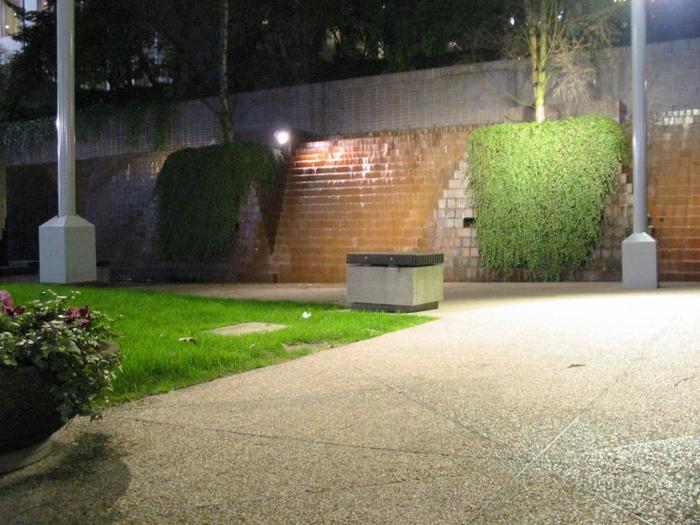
(522, 404)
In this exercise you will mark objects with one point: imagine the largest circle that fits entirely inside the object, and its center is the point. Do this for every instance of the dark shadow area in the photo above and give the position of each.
(79, 483)
(270, 200)
(31, 201)
(3, 248)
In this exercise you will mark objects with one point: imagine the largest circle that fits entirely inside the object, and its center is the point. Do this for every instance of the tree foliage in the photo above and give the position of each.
(170, 49)
(130, 50)
(556, 36)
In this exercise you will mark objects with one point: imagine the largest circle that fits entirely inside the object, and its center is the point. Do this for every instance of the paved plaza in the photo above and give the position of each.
(520, 404)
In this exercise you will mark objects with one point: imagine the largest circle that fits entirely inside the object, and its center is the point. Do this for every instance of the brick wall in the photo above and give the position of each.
(373, 192)
(403, 191)
(31, 201)
(674, 193)
(394, 191)
(116, 195)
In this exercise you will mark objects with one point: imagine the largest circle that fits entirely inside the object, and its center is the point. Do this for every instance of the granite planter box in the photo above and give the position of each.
(395, 282)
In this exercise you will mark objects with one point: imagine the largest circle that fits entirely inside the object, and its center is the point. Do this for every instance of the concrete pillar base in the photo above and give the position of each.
(639, 266)
(67, 251)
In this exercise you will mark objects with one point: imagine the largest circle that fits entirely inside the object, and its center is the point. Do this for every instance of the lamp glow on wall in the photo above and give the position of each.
(639, 258)
(283, 137)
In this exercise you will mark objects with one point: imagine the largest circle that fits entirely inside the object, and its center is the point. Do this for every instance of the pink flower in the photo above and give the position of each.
(81, 316)
(72, 314)
(6, 299)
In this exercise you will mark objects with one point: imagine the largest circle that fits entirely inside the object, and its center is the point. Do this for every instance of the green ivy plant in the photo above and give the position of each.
(134, 118)
(200, 191)
(540, 189)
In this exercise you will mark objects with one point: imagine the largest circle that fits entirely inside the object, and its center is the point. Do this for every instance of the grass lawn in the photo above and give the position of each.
(149, 325)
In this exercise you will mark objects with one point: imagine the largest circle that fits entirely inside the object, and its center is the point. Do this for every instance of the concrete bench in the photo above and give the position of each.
(395, 282)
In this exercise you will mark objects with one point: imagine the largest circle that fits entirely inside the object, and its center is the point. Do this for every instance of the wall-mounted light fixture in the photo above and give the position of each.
(283, 136)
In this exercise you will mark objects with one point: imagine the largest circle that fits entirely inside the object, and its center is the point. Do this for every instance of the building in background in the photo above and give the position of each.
(11, 20)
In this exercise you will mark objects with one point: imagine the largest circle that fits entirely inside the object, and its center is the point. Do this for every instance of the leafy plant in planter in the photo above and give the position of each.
(55, 359)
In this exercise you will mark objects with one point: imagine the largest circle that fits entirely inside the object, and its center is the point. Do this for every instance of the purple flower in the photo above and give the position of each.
(84, 311)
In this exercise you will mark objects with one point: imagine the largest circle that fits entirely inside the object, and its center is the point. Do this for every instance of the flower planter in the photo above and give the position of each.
(28, 417)
(53, 355)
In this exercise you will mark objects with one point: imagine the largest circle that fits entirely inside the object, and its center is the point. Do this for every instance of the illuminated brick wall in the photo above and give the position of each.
(394, 191)
(373, 192)
(674, 193)
(402, 191)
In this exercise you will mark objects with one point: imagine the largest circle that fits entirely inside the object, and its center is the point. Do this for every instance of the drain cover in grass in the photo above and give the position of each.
(247, 328)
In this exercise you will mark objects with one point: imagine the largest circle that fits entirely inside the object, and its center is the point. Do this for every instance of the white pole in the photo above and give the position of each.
(639, 258)
(66, 242)
(65, 123)
(639, 113)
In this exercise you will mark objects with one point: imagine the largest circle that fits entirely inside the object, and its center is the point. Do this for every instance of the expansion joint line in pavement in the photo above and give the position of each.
(585, 409)
(628, 368)
(534, 460)
(432, 410)
(283, 437)
(529, 463)
(522, 471)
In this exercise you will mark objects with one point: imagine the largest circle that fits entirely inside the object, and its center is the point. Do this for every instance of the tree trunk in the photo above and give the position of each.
(539, 103)
(538, 16)
(224, 110)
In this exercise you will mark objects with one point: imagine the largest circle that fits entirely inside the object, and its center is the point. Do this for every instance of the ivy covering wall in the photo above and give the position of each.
(200, 191)
(540, 191)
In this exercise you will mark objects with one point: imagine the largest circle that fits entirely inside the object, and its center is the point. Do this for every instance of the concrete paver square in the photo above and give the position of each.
(247, 328)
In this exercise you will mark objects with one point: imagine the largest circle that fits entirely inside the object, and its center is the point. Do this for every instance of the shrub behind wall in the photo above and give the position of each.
(540, 191)
(200, 191)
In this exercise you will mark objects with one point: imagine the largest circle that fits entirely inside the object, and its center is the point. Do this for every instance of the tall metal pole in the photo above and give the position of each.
(639, 257)
(65, 124)
(639, 113)
(66, 242)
